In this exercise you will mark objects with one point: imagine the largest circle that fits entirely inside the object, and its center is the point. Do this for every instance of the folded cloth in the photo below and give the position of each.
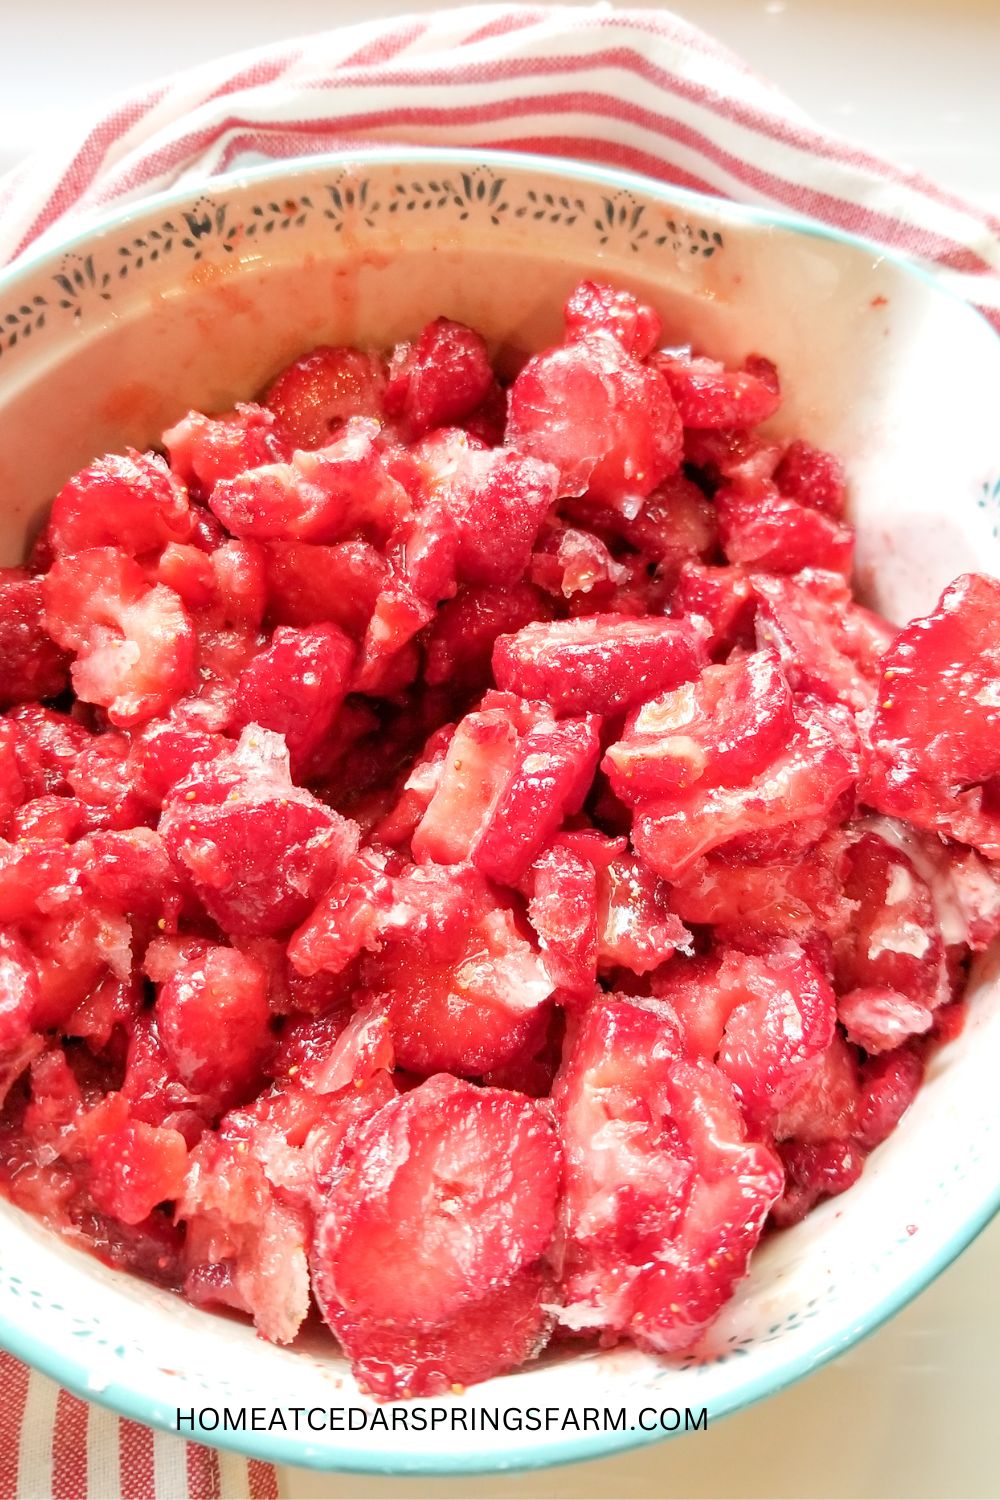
(636, 89)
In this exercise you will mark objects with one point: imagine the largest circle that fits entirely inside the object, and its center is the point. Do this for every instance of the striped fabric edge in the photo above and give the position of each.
(695, 114)
(54, 1446)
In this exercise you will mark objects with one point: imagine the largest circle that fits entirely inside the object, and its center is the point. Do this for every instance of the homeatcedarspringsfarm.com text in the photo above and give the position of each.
(430, 1417)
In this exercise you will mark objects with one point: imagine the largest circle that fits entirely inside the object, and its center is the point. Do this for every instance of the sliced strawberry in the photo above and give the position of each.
(130, 501)
(32, 666)
(827, 1103)
(607, 423)
(725, 727)
(212, 1015)
(795, 899)
(296, 686)
(552, 773)
(815, 1170)
(595, 308)
(658, 1174)
(135, 1168)
(812, 477)
(325, 496)
(765, 1018)
(309, 584)
(936, 730)
(349, 919)
(636, 928)
(761, 528)
(893, 943)
(439, 380)
(786, 808)
(563, 913)
(316, 394)
(889, 1085)
(473, 1000)
(723, 598)
(19, 993)
(134, 644)
(459, 644)
(706, 394)
(259, 850)
(880, 1019)
(476, 770)
(598, 664)
(827, 644)
(496, 501)
(202, 450)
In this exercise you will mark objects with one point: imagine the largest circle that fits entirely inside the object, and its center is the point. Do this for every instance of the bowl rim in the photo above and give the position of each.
(72, 1371)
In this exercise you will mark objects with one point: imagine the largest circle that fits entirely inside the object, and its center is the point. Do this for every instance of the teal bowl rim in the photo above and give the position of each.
(73, 1372)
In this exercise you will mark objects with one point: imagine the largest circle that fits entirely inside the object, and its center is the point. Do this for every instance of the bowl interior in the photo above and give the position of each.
(197, 301)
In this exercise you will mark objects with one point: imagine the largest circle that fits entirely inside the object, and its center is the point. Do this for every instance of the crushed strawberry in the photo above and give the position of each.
(467, 859)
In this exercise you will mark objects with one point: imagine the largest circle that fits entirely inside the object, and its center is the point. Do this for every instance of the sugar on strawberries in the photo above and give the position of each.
(467, 860)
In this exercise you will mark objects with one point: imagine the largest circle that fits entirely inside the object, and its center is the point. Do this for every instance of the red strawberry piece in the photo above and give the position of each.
(130, 501)
(880, 1019)
(212, 1016)
(596, 308)
(731, 455)
(826, 1104)
(501, 1332)
(658, 1174)
(459, 644)
(725, 727)
(439, 380)
(552, 773)
(815, 1170)
(735, 1185)
(569, 562)
(316, 394)
(18, 993)
(723, 599)
(706, 394)
(309, 584)
(349, 918)
(472, 1001)
(135, 1168)
(812, 477)
(163, 753)
(827, 644)
(322, 496)
(676, 525)
(788, 807)
(893, 942)
(258, 850)
(765, 1018)
(796, 899)
(936, 730)
(563, 913)
(134, 644)
(889, 1084)
(393, 1254)
(202, 450)
(496, 502)
(598, 664)
(607, 422)
(296, 686)
(32, 666)
(761, 528)
(475, 772)
(636, 928)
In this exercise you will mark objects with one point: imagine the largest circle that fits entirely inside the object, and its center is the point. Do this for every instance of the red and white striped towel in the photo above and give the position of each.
(53, 1446)
(636, 89)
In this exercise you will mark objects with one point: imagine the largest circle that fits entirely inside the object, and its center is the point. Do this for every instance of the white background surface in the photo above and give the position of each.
(912, 1412)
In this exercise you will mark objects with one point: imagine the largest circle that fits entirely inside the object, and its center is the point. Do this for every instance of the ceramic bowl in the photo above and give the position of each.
(195, 300)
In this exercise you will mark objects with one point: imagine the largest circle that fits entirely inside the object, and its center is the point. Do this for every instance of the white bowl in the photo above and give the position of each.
(191, 300)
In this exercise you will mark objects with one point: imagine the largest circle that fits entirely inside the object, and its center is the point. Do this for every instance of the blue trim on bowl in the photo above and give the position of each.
(73, 1372)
